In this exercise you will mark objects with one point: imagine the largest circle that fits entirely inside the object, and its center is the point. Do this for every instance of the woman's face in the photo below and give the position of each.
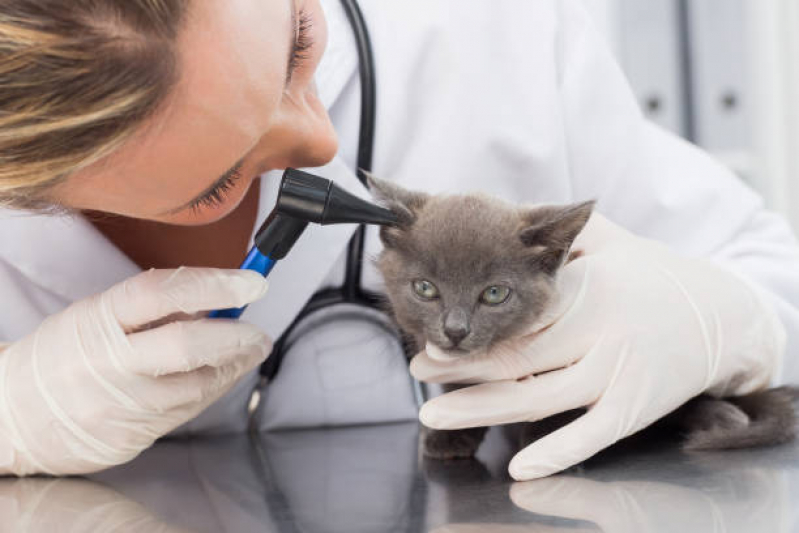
(245, 103)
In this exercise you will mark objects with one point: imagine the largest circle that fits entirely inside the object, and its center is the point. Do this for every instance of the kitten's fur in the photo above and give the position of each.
(464, 244)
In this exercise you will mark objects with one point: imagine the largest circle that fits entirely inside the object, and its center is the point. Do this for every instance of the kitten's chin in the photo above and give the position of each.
(444, 356)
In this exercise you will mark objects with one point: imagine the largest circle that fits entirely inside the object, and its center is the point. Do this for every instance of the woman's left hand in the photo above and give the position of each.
(637, 331)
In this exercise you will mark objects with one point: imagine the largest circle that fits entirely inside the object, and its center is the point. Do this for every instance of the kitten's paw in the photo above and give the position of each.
(454, 444)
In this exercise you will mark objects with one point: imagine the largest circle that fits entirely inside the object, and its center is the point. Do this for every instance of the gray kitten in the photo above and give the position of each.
(464, 272)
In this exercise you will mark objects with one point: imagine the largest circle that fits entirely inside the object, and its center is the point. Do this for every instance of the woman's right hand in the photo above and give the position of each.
(99, 382)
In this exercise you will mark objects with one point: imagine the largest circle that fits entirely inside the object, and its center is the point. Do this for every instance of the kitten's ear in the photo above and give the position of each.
(550, 231)
(402, 202)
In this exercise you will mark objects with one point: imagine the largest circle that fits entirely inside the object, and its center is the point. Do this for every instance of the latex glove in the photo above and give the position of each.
(99, 382)
(638, 331)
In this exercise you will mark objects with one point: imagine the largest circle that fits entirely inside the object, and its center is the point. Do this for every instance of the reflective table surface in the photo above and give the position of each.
(370, 479)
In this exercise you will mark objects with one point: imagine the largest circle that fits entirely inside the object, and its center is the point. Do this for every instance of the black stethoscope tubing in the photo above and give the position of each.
(351, 291)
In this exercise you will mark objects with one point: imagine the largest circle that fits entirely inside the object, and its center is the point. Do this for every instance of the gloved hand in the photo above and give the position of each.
(99, 382)
(637, 331)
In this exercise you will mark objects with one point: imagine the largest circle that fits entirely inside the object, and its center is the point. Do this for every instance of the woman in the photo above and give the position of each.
(151, 121)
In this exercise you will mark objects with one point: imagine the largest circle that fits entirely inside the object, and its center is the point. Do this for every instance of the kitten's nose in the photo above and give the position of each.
(456, 326)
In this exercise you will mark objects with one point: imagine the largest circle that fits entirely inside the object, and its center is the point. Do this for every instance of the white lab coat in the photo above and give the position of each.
(517, 99)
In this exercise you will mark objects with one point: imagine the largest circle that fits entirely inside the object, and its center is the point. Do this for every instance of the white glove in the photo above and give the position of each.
(638, 331)
(99, 382)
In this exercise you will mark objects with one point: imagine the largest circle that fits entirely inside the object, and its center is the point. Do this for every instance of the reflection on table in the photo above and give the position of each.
(371, 479)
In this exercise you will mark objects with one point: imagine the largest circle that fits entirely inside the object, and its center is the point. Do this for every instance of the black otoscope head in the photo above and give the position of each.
(305, 198)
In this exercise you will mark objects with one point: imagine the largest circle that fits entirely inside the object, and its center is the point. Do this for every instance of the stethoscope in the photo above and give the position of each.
(305, 198)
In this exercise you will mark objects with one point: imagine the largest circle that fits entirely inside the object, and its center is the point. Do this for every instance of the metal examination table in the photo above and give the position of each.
(370, 479)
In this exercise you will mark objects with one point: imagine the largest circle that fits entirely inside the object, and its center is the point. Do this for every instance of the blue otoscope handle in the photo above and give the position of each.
(255, 261)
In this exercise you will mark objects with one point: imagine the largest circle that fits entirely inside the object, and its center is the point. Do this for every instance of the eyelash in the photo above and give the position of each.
(216, 196)
(303, 43)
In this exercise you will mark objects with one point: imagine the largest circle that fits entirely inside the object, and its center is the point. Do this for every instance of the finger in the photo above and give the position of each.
(573, 443)
(202, 386)
(504, 402)
(468, 369)
(186, 346)
(509, 360)
(156, 294)
(553, 342)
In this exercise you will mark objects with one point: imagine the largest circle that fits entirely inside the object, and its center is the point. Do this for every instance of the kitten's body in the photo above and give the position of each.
(448, 263)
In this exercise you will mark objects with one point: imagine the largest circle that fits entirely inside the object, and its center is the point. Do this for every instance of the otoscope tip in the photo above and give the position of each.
(382, 216)
(343, 207)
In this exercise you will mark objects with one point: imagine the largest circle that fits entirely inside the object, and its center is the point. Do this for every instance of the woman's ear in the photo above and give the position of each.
(550, 232)
(402, 202)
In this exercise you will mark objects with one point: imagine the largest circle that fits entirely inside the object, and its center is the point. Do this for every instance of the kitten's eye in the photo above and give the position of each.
(495, 295)
(425, 290)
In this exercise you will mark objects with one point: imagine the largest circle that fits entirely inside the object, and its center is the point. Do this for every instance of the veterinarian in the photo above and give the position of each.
(150, 121)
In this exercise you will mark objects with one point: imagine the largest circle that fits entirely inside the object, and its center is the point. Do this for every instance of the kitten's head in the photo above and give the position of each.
(465, 271)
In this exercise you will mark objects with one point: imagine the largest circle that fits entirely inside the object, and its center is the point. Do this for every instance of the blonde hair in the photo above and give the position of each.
(77, 78)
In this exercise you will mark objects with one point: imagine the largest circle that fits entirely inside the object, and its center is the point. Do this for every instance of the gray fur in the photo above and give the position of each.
(466, 243)
(763, 418)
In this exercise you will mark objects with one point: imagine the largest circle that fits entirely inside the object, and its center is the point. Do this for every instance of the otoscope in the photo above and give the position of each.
(303, 198)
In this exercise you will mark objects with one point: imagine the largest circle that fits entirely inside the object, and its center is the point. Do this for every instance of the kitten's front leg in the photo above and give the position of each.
(452, 444)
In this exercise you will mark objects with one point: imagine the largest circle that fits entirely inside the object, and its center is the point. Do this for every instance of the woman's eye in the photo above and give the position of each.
(495, 295)
(216, 197)
(425, 290)
(303, 42)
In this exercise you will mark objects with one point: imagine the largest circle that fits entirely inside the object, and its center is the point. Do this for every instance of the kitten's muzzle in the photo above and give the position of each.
(456, 326)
